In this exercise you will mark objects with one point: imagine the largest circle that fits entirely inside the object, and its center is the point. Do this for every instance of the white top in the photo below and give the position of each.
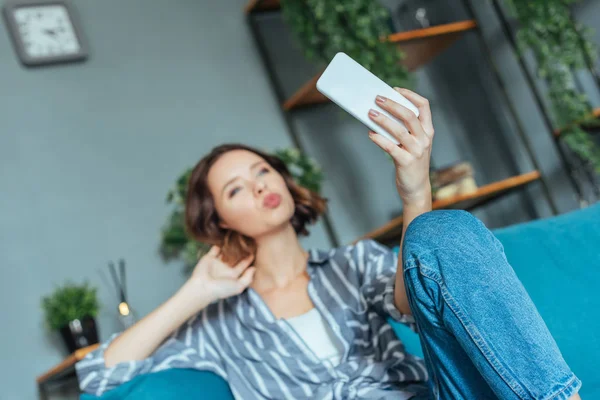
(318, 336)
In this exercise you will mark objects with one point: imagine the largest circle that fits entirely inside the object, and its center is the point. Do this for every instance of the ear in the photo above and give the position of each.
(223, 225)
(220, 223)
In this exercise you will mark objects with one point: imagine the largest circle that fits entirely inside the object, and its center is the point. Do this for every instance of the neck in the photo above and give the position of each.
(279, 260)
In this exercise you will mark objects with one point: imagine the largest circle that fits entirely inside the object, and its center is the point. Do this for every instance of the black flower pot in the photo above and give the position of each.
(79, 333)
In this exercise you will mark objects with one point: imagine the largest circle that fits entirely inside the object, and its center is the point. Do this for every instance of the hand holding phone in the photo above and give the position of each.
(398, 117)
(354, 88)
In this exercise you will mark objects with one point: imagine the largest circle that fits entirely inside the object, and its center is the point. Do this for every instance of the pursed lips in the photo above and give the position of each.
(272, 200)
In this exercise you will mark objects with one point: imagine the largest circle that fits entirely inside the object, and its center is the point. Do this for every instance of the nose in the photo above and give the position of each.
(259, 187)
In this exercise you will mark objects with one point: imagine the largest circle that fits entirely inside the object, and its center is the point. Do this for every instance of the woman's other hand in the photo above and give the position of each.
(214, 279)
(211, 280)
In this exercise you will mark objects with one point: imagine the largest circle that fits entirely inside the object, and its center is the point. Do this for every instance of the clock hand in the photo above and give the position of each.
(50, 32)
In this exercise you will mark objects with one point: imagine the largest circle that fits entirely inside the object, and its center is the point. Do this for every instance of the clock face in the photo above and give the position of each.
(46, 31)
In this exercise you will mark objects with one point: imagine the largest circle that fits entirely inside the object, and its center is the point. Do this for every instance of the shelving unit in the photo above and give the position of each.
(572, 165)
(62, 373)
(420, 47)
(595, 114)
(482, 195)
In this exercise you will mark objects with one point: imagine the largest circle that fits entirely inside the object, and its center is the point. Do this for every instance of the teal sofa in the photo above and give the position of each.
(558, 261)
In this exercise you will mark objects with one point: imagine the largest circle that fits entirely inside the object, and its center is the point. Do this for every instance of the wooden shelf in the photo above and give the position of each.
(393, 229)
(261, 5)
(419, 46)
(595, 114)
(66, 365)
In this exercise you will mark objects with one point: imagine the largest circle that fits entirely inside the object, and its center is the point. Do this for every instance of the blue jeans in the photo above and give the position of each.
(481, 334)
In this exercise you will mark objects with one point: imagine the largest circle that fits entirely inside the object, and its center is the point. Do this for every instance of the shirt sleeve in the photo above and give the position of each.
(187, 347)
(378, 265)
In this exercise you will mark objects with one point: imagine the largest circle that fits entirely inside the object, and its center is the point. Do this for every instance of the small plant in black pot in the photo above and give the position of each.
(71, 309)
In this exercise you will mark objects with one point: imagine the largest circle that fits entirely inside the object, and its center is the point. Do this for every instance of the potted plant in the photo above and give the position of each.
(71, 309)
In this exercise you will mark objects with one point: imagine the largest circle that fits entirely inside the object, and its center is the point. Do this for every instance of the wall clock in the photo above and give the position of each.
(45, 32)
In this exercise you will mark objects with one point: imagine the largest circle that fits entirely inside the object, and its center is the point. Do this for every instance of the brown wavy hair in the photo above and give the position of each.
(202, 220)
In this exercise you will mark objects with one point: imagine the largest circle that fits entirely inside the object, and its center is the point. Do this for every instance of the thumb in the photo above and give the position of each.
(246, 279)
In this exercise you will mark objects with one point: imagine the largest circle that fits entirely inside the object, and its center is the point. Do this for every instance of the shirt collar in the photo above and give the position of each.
(319, 256)
(248, 298)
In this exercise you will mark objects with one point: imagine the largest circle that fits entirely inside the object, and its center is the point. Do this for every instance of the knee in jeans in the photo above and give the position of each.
(443, 229)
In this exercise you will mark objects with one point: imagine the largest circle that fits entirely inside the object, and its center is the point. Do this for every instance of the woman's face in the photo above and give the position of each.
(249, 195)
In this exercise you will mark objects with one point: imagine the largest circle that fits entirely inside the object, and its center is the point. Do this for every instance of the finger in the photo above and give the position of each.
(242, 265)
(423, 106)
(214, 251)
(246, 279)
(400, 155)
(408, 141)
(403, 113)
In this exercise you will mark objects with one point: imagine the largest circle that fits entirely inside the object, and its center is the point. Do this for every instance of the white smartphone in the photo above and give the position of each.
(354, 88)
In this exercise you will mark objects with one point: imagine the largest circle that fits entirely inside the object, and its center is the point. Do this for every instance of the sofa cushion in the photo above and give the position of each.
(170, 384)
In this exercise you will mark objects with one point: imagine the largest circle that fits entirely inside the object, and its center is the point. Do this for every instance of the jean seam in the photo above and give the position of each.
(473, 332)
(434, 376)
(425, 351)
(567, 386)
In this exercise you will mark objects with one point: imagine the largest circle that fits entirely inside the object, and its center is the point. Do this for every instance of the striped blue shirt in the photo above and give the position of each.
(262, 357)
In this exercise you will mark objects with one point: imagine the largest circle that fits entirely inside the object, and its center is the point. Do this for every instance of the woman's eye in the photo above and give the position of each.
(263, 170)
(233, 192)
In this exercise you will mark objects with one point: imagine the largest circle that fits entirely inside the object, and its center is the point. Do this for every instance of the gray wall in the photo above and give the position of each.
(88, 151)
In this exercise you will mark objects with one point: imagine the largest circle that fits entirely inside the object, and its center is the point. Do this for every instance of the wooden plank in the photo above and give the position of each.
(423, 45)
(595, 114)
(306, 95)
(261, 5)
(420, 46)
(433, 31)
(70, 361)
(466, 202)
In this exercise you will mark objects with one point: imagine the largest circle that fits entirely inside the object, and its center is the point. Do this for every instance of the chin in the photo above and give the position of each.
(280, 217)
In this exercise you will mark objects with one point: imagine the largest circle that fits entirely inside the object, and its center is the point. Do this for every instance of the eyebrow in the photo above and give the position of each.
(237, 177)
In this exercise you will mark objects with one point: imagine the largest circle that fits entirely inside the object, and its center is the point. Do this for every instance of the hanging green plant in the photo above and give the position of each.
(560, 45)
(175, 242)
(358, 28)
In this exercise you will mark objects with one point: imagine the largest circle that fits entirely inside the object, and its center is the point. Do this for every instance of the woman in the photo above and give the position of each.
(280, 322)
